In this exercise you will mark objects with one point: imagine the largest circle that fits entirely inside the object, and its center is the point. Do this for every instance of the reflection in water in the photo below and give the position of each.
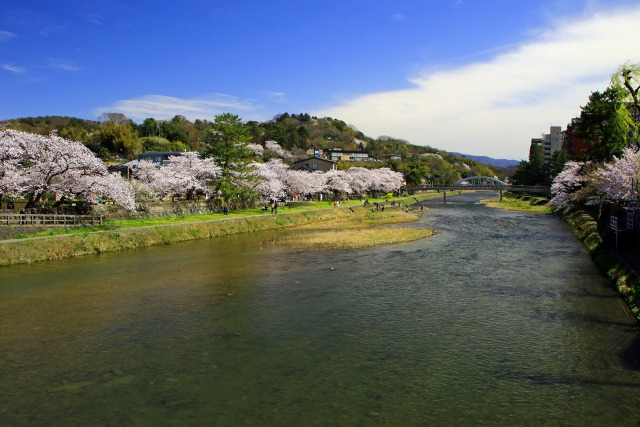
(499, 319)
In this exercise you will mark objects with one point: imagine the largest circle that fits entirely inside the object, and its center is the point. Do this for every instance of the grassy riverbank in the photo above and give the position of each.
(362, 229)
(137, 233)
(512, 203)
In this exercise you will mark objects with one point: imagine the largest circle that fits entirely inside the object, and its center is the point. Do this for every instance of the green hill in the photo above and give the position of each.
(116, 138)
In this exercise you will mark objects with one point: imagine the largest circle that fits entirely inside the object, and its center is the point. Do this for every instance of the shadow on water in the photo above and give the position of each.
(551, 380)
(630, 356)
(582, 319)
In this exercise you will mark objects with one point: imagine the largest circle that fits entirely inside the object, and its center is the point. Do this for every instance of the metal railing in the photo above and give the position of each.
(49, 219)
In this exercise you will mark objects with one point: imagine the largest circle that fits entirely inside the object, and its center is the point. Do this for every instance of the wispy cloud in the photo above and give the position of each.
(398, 17)
(6, 35)
(64, 65)
(14, 68)
(275, 96)
(165, 107)
(94, 19)
(495, 107)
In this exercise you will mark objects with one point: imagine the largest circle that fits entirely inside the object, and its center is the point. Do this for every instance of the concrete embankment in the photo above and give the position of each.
(20, 251)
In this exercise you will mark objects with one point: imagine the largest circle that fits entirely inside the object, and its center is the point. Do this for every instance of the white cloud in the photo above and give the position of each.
(165, 107)
(495, 107)
(6, 35)
(398, 17)
(14, 68)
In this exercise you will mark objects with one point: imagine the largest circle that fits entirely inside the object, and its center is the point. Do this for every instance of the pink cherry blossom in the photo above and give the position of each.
(34, 166)
(617, 177)
(186, 174)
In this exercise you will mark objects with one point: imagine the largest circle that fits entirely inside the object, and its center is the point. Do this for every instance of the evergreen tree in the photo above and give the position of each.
(227, 144)
(532, 172)
(606, 124)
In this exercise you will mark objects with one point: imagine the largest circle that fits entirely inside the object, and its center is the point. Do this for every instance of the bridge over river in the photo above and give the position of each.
(487, 183)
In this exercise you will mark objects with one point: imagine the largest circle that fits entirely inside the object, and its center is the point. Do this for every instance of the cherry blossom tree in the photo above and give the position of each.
(270, 178)
(34, 166)
(147, 172)
(277, 149)
(190, 174)
(257, 149)
(11, 181)
(305, 183)
(579, 182)
(111, 185)
(359, 179)
(617, 177)
(185, 174)
(385, 180)
(564, 185)
(336, 181)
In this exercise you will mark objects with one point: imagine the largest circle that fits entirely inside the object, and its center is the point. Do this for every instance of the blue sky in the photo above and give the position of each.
(475, 76)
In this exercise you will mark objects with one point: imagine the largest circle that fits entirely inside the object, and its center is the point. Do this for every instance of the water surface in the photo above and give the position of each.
(499, 319)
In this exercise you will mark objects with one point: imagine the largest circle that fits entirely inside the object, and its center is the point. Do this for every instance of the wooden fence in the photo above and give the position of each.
(49, 219)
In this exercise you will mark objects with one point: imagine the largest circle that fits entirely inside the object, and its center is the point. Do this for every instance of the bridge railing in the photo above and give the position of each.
(513, 188)
(529, 189)
(12, 219)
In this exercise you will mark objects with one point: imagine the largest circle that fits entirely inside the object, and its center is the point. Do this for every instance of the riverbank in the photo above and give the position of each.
(86, 242)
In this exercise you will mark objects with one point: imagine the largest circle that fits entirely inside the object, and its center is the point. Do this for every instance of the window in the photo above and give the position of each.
(314, 166)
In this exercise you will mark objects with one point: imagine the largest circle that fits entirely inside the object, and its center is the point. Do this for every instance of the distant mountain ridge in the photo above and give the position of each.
(502, 163)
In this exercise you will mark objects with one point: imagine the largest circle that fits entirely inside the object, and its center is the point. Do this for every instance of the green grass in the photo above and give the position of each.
(526, 204)
(167, 220)
(136, 233)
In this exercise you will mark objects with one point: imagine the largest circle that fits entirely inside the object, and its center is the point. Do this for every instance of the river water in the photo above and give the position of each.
(500, 319)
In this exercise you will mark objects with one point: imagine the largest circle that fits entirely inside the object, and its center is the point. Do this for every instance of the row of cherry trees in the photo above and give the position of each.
(277, 180)
(189, 174)
(33, 167)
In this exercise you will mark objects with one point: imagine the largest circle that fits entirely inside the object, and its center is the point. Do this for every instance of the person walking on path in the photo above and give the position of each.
(225, 209)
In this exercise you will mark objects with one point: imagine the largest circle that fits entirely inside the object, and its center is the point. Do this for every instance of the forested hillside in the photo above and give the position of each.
(115, 138)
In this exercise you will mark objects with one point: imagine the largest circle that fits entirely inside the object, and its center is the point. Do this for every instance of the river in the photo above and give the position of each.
(500, 319)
